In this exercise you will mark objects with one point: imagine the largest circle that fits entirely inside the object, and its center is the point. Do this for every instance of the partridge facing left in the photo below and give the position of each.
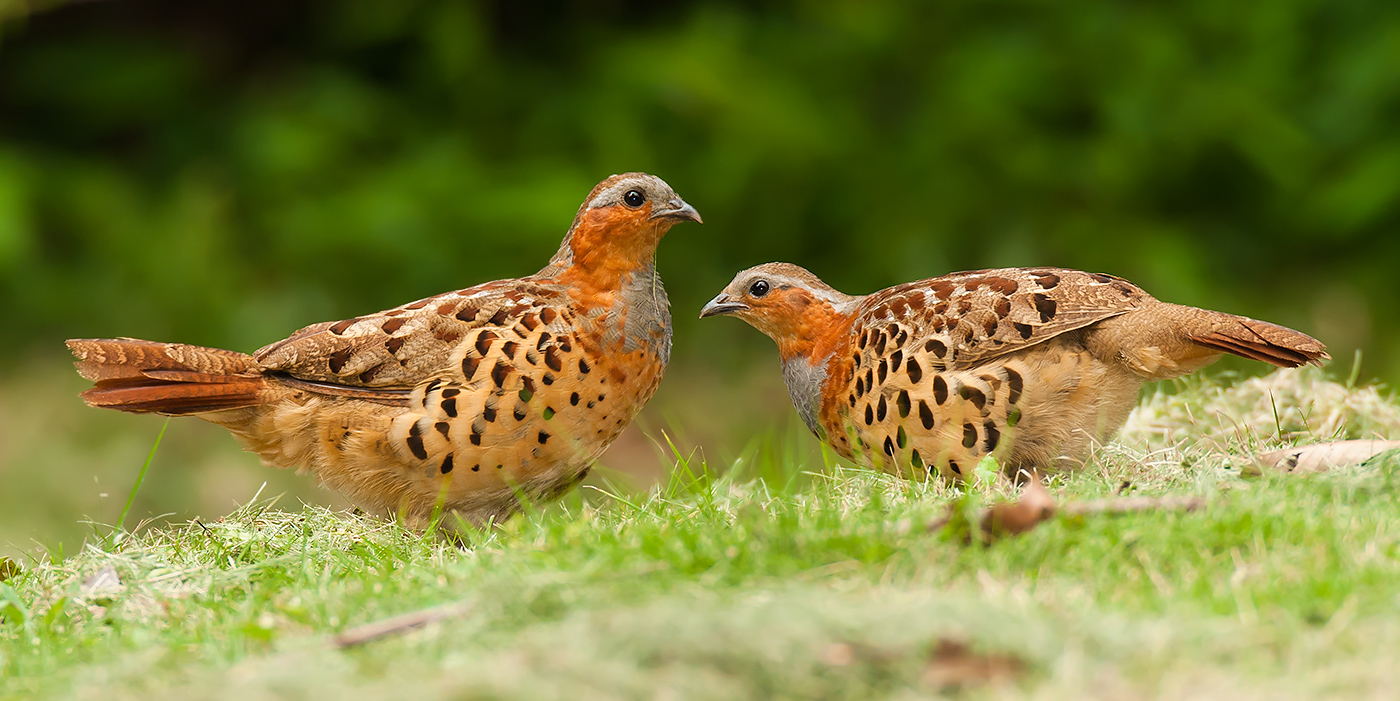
(1034, 366)
(464, 401)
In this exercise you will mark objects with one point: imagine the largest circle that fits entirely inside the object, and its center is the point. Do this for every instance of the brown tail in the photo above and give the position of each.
(1259, 340)
(165, 378)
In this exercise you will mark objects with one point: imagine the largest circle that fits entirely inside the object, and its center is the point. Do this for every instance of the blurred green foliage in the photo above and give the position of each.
(225, 172)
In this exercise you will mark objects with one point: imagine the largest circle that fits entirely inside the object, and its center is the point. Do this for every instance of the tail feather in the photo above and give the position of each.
(1260, 340)
(167, 378)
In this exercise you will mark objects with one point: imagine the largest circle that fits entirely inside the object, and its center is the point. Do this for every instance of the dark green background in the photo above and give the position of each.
(225, 172)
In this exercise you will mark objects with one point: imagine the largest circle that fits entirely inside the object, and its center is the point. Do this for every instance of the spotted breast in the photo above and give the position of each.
(466, 401)
(1034, 366)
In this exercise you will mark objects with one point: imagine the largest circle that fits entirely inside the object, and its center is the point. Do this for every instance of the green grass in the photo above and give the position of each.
(784, 585)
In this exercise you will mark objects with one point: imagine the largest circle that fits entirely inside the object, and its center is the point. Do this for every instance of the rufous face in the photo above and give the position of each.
(624, 218)
(785, 302)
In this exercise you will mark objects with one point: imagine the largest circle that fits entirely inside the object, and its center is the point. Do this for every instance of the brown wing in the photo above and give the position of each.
(403, 347)
(963, 319)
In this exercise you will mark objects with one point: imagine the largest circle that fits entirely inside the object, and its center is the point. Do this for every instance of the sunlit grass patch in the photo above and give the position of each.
(1285, 407)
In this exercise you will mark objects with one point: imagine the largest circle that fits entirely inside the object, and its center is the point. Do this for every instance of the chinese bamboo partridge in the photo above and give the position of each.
(1031, 365)
(467, 400)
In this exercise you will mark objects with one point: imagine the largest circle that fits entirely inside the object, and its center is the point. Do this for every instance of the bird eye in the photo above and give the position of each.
(758, 289)
(634, 198)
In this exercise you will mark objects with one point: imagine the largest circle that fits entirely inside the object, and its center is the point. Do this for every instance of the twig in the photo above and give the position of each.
(1126, 505)
(1036, 506)
(369, 632)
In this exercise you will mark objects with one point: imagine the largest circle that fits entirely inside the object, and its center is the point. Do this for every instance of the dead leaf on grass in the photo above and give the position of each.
(837, 654)
(1319, 457)
(953, 664)
(1035, 506)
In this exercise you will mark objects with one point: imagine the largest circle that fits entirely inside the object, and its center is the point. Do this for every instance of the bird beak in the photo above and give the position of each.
(677, 209)
(721, 305)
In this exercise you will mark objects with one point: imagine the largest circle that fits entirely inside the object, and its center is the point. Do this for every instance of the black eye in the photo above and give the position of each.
(634, 198)
(758, 289)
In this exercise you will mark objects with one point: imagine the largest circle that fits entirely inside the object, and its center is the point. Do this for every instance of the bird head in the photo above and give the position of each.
(619, 226)
(788, 304)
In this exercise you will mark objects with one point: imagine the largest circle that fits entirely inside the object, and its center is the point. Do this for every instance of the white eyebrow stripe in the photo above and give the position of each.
(841, 302)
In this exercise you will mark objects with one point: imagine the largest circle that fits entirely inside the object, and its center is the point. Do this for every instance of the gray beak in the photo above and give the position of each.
(677, 209)
(721, 305)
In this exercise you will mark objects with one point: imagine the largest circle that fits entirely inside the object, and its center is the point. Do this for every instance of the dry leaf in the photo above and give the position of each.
(1319, 457)
(954, 664)
(1034, 507)
(837, 654)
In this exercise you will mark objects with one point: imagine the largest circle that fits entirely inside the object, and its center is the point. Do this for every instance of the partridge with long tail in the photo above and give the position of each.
(467, 401)
(1034, 366)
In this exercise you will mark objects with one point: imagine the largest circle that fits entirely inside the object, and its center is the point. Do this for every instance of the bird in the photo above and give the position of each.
(1032, 366)
(469, 402)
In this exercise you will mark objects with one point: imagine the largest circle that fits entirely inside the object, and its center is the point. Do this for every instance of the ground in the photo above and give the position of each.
(774, 579)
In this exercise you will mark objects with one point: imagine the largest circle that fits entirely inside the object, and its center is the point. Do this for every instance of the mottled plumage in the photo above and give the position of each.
(1031, 365)
(464, 400)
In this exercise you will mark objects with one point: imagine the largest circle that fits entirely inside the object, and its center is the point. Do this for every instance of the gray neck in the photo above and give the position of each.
(804, 382)
(648, 320)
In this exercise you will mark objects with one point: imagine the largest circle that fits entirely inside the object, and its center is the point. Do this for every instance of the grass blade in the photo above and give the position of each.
(140, 477)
